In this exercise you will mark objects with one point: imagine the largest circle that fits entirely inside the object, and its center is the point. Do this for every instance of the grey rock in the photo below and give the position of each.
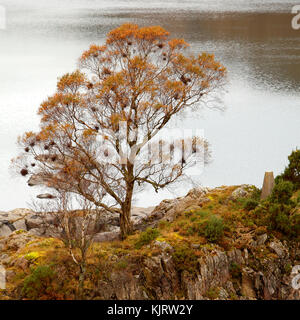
(163, 245)
(262, 239)
(17, 240)
(38, 232)
(20, 224)
(10, 274)
(34, 221)
(242, 191)
(107, 236)
(235, 256)
(278, 248)
(248, 284)
(197, 193)
(3, 257)
(223, 294)
(5, 231)
(246, 255)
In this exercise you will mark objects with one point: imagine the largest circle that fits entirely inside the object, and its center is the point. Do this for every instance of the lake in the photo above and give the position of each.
(255, 41)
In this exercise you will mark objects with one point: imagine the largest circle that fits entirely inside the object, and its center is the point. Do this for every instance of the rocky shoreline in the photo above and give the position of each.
(107, 228)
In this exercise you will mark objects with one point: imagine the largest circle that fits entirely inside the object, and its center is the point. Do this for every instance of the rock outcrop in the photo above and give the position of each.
(107, 227)
(218, 275)
(252, 265)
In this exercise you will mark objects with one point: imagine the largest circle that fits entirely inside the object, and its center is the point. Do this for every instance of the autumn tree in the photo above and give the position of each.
(98, 130)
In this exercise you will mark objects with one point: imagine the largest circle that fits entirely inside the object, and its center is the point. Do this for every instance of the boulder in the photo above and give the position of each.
(107, 236)
(242, 191)
(34, 221)
(278, 248)
(262, 239)
(223, 294)
(13, 220)
(163, 245)
(197, 193)
(5, 230)
(20, 224)
(4, 258)
(38, 232)
(17, 240)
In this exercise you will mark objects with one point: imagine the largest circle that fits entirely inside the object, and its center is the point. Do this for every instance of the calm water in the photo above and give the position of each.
(255, 41)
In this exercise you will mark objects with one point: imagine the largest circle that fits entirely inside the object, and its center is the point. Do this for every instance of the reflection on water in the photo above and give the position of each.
(255, 42)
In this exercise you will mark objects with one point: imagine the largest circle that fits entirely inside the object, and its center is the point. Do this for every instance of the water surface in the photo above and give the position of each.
(254, 40)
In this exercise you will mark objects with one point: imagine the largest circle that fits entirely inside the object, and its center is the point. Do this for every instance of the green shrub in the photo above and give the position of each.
(288, 268)
(282, 192)
(38, 282)
(122, 264)
(191, 231)
(214, 228)
(292, 171)
(278, 210)
(255, 195)
(212, 293)
(202, 214)
(163, 224)
(295, 224)
(280, 206)
(279, 218)
(185, 258)
(146, 237)
(235, 271)
(250, 204)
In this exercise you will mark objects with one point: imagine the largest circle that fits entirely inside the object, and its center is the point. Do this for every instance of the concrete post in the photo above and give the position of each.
(268, 185)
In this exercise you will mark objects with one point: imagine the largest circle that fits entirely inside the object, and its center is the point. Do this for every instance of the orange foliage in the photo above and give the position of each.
(71, 81)
(93, 51)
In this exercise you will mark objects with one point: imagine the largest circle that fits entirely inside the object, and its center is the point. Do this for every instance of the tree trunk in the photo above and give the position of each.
(125, 216)
(125, 224)
(82, 272)
(81, 282)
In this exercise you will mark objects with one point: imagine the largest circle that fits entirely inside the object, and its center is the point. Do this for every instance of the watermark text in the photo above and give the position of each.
(296, 18)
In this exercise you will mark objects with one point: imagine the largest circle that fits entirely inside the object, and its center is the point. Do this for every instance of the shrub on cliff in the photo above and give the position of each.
(214, 229)
(282, 192)
(184, 258)
(38, 282)
(147, 237)
(292, 171)
(250, 204)
(277, 210)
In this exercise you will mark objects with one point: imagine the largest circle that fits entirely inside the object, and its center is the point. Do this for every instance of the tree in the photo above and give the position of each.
(76, 228)
(99, 128)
